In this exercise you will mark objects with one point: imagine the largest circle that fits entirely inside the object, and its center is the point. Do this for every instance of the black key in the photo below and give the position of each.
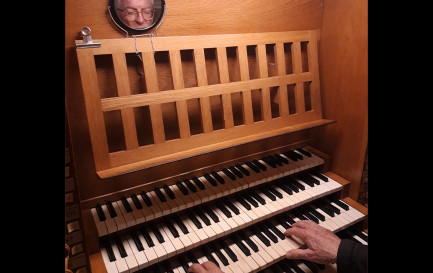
(310, 265)
(249, 242)
(111, 209)
(251, 200)
(299, 215)
(256, 196)
(325, 209)
(267, 193)
(101, 214)
(316, 213)
(229, 174)
(210, 179)
(217, 251)
(304, 152)
(260, 235)
(158, 234)
(208, 253)
(268, 233)
(160, 195)
(276, 160)
(137, 241)
(167, 268)
(242, 202)
(310, 177)
(224, 210)
(181, 225)
(202, 216)
(218, 177)
(191, 258)
(120, 247)
(211, 214)
(282, 222)
(282, 186)
(275, 192)
(270, 162)
(305, 180)
(169, 192)
(199, 184)
(236, 172)
(172, 229)
(341, 204)
(241, 245)
(287, 218)
(253, 167)
(292, 181)
(182, 188)
(260, 165)
(292, 155)
(274, 229)
(230, 252)
(294, 266)
(126, 205)
(190, 186)
(243, 170)
(109, 250)
(194, 220)
(183, 262)
(331, 206)
(136, 202)
(281, 158)
(290, 185)
(277, 268)
(360, 234)
(147, 237)
(146, 199)
(310, 216)
(321, 176)
(231, 206)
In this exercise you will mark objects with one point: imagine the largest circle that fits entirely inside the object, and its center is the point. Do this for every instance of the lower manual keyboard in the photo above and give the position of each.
(249, 250)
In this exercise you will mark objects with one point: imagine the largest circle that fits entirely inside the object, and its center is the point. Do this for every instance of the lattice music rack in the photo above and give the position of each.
(135, 157)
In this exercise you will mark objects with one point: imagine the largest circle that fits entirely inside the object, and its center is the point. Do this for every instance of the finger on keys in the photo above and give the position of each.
(299, 253)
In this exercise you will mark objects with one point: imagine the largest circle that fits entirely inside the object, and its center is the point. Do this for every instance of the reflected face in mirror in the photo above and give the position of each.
(137, 14)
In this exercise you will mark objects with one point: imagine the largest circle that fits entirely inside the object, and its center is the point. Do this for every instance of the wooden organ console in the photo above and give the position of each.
(206, 162)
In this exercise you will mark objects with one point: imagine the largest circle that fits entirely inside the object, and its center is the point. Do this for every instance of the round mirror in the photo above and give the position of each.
(136, 16)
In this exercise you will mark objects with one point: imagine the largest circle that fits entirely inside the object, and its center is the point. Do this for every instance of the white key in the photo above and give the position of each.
(176, 242)
(232, 185)
(167, 244)
(110, 266)
(146, 211)
(131, 261)
(109, 222)
(119, 219)
(263, 254)
(255, 178)
(208, 191)
(207, 229)
(201, 234)
(181, 202)
(241, 263)
(195, 197)
(138, 215)
(155, 208)
(151, 256)
(192, 234)
(139, 255)
(200, 192)
(227, 224)
(120, 262)
(248, 259)
(129, 217)
(263, 248)
(218, 189)
(184, 238)
(227, 181)
(248, 216)
(165, 208)
(101, 227)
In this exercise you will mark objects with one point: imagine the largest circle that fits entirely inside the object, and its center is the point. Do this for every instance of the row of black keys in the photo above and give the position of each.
(192, 184)
(304, 212)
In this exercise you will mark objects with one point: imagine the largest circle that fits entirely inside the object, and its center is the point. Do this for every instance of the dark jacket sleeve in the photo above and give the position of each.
(352, 257)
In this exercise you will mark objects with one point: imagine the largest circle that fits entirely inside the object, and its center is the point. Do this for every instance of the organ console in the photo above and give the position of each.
(214, 167)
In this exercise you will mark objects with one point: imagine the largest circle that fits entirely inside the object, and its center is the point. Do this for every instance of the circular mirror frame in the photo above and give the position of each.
(134, 31)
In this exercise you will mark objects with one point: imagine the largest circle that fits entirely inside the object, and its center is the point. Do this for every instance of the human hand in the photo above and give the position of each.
(322, 244)
(206, 267)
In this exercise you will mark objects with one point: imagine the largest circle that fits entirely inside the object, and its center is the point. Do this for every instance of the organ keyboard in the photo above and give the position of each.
(231, 210)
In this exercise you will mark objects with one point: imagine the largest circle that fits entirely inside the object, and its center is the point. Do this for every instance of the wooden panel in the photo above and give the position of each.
(200, 68)
(297, 68)
(152, 87)
(123, 89)
(175, 149)
(281, 68)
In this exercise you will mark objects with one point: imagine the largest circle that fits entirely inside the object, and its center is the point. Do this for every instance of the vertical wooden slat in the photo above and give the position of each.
(92, 100)
(152, 86)
(281, 68)
(224, 78)
(123, 89)
(181, 107)
(313, 64)
(262, 68)
(200, 68)
(247, 106)
(297, 69)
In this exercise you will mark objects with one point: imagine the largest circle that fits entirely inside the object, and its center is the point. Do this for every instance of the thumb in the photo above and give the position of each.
(297, 254)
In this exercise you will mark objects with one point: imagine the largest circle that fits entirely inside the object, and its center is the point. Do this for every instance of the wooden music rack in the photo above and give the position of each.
(294, 113)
